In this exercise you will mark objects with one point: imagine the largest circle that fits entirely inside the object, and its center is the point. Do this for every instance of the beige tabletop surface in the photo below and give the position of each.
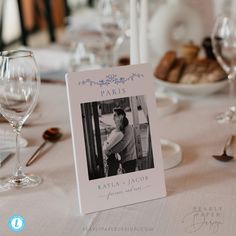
(201, 196)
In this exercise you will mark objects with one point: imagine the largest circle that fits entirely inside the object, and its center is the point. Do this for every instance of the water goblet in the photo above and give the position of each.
(111, 21)
(224, 47)
(19, 90)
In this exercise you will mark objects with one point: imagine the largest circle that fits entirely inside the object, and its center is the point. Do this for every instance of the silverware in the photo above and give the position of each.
(50, 81)
(50, 135)
(224, 156)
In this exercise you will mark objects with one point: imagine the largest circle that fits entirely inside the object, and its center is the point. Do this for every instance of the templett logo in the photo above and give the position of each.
(16, 223)
(207, 218)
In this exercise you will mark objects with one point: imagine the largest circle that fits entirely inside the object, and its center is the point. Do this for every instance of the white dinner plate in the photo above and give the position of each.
(195, 90)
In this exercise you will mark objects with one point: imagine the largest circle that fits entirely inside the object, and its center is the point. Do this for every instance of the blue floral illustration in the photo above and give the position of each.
(111, 79)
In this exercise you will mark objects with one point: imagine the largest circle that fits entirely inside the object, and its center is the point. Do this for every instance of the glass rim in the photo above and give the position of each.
(16, 53)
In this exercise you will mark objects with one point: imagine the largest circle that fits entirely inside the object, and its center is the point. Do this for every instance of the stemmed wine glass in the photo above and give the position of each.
(111, 23)
(224, 46)
(19, 90)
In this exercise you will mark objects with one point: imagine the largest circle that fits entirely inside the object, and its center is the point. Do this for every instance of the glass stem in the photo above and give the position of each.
(232, 77)
(109, 57)
(18, 167)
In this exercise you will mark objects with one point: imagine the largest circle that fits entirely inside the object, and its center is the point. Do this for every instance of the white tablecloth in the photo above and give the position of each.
(201, 191)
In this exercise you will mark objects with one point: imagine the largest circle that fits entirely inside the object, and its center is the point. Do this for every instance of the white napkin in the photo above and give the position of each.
(53, 63)
(52, 59)
(88, 20)
(8, 140)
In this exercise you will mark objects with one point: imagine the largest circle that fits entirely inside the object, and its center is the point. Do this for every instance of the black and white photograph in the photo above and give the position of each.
(117, 136)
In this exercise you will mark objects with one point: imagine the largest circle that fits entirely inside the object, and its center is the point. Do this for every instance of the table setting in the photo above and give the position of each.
(194, 120)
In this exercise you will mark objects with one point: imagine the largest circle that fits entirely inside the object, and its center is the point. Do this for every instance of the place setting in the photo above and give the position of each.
(223, 38)
(194, 72)
(185, 68)
(19, 86)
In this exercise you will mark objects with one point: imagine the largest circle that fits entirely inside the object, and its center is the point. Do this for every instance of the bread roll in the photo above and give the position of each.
(165, 65)
(176, 71)
(189, 52)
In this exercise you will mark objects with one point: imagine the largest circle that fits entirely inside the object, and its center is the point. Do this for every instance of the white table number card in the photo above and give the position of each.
(115, 139)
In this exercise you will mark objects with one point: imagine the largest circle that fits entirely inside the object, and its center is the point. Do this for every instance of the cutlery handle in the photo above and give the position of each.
(35, 156)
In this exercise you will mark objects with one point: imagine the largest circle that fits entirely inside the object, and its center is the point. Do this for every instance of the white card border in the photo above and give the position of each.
(79, 146)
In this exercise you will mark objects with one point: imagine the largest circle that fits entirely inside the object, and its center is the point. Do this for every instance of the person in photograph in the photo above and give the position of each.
(125, 147)
(113, 160)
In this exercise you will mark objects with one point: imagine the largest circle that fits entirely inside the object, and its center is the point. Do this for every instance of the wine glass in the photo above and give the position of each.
(111, 23)
(224, 47)
(19, 90)
(122, 47)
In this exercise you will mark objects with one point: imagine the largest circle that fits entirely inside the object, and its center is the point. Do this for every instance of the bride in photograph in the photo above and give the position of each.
(113, 161)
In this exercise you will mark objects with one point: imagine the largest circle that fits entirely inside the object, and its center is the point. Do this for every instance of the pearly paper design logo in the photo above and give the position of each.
(112, 79)
(16, 223)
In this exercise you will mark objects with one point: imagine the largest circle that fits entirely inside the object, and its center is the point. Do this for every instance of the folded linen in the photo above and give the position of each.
(8, 140)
